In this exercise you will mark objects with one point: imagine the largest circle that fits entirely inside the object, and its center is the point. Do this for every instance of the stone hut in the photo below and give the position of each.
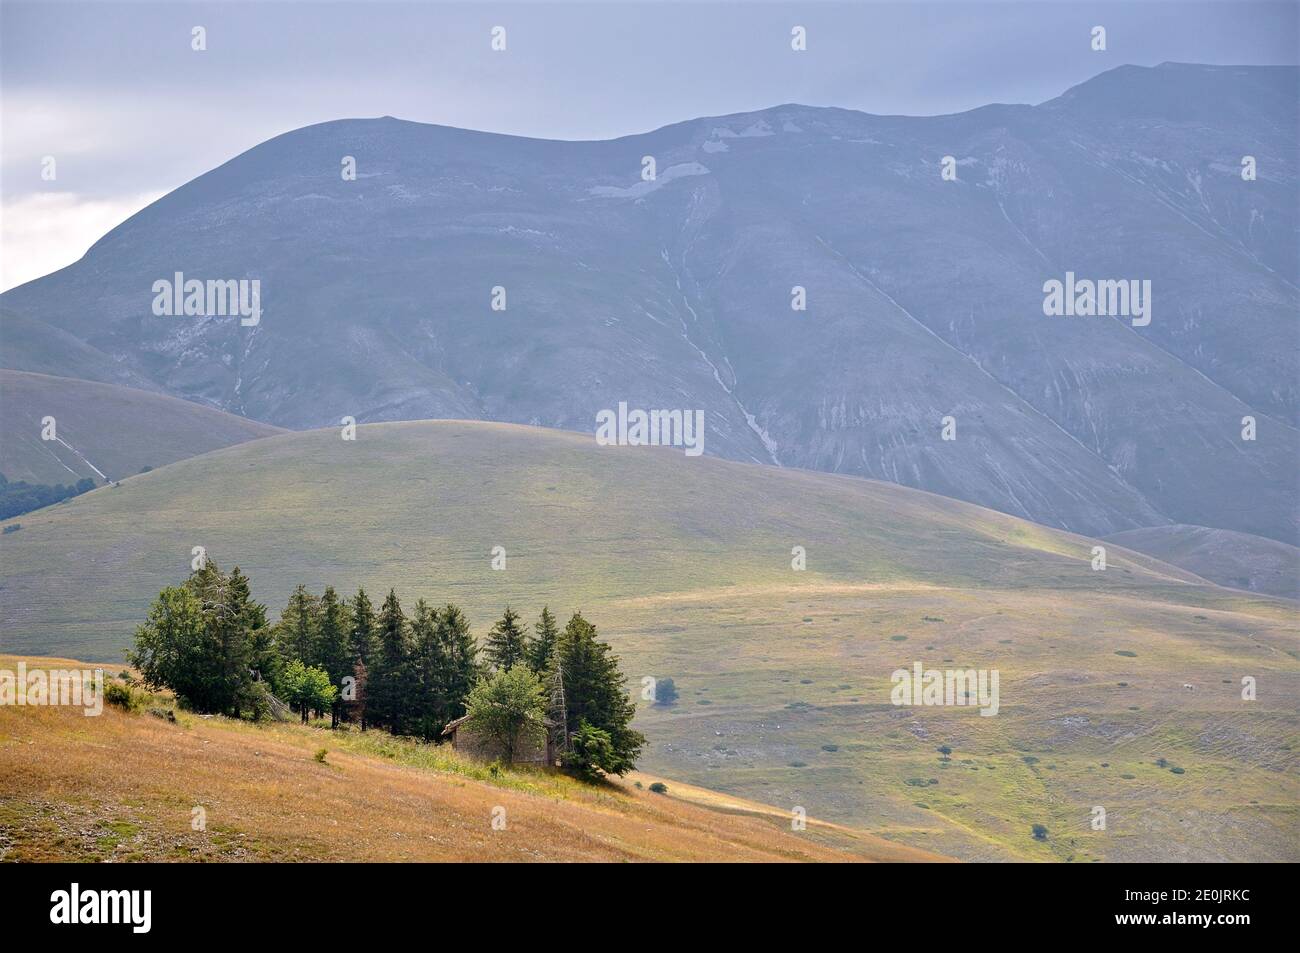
(540, 751)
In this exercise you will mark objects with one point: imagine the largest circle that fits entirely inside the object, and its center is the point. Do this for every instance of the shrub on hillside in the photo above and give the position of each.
(120, 695)
(665, 692)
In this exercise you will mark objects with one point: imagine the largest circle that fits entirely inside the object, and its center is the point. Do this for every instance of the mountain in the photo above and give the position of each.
(685, 565)
(1231, 559)
(104, 431)
(32, 345)
(925, 297)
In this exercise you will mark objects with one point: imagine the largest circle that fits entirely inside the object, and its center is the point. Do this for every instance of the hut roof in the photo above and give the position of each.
(453, 725)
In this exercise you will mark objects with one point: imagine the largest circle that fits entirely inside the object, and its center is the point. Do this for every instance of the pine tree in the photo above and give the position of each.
(541, 648)
(357, 703)
(362, 636)
(506, 642)
(460, 655)
(595, 693)
(333, 652)
(298, 626)
(226, 613)
(264, 658)
(390, 674)
(244, 621)
(429, 664)
(263, 654)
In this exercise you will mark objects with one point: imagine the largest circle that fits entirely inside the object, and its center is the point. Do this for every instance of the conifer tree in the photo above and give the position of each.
(362, 642)
(263, 655)
(595, 693)
(357, 703)
(460, 655)
(541, 647)
(226, 610)
(390, 673)
(506, 642)
(429, 666)
(243, 622)
(362, 636)
(298, 627)
(333, 652)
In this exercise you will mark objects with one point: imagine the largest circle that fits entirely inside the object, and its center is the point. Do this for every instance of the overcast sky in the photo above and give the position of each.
(114, 92)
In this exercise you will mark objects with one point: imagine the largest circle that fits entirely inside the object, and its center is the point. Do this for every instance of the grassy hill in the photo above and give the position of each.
(684, 565)
(1239, 560)
(373, 798)
(104, 430)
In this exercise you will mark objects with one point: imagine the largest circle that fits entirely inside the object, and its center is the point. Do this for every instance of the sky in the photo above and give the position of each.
(128, 110)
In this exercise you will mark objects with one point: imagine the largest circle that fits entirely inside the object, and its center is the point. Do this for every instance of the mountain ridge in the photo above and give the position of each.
(924, 304)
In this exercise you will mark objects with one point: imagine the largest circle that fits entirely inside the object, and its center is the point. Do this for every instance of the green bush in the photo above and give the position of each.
(1039, 832)
(666, 693)
(121, 696)
(659, 787)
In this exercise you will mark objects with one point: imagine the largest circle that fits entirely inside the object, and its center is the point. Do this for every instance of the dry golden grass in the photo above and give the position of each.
(123, 787)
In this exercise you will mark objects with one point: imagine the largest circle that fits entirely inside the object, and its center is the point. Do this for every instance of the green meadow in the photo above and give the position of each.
(685, 565)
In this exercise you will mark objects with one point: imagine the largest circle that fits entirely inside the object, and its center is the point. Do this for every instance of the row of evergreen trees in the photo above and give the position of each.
(212, 645)
(406, 675)
(22, 497)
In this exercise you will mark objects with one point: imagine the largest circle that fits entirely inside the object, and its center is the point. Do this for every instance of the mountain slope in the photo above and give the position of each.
(409, 504)
(1230, 559)
(924, 295)
(27, 344)
(684, 564)
(104, 431)
(373, 800)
